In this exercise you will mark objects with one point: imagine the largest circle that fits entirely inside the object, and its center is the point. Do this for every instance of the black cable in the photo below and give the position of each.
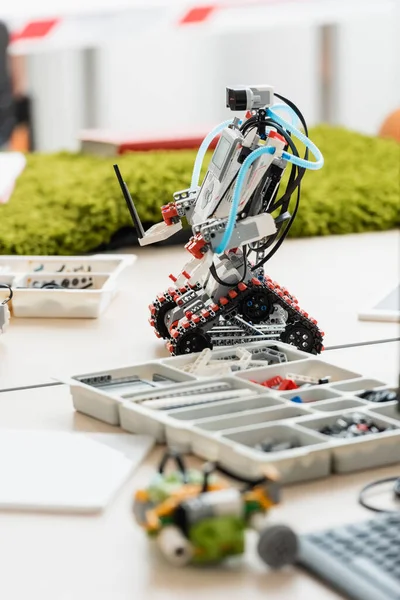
(52, 286)
(370, 486)
(172, 455)
(8, 287)
(283, 236)
(289, 192)
(210, 468)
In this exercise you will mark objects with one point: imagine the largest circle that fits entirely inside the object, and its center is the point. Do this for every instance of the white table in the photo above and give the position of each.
(333, 278)
(109, 557)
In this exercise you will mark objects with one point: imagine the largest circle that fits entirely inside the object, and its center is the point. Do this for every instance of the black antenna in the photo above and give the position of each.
(129, 202)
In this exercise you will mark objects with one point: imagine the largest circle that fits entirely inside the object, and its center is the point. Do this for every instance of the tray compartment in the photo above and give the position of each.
(101, 401)
(139, 418)
(366, 452)
(225, 408)
(388, 410)
(252, 417)
(221, 354)
(65, 303)
(235, 450)
(338, 404)
(180, 435)
(358, 385)
(312, 394)
(314, 368)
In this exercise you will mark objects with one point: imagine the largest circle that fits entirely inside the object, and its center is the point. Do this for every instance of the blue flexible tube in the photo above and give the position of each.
(202, 152)
(289, 110)
(300, 162)
(236, 195)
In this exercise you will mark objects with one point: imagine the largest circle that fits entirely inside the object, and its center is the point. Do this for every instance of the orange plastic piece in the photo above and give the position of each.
(195, 318)
(223, 300)
(255, 281)
(232, 294)
(205, 313)
(273, 381)
(185, 323)
(172, 277)
(242, 286)
(214, 307)
(186, 274)
(152, 309)
(288, 384)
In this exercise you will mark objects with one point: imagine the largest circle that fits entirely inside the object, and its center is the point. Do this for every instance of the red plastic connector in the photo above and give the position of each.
(196, 245)
(288, 384)
(275, 135)
(169, 213)
(272, 382)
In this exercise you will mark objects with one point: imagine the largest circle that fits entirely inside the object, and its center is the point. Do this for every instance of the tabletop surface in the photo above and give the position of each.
(333, 278)
(108, 557)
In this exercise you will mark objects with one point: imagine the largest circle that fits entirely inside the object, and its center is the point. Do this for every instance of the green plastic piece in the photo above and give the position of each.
(71, 203)
(163, 486)
(217, 538)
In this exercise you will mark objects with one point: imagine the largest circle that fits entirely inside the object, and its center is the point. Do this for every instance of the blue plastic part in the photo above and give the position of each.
(289, 110)
(236, 195)
(297, 399)
(203, 149)
(296, 160)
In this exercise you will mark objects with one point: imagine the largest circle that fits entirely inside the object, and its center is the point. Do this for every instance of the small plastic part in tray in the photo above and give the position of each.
(226, 417)
(61, 286)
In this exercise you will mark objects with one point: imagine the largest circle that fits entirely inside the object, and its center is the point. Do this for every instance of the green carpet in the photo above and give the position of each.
(71, 203)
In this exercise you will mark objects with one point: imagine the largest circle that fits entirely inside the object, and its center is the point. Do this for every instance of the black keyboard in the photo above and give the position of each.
(362, 560)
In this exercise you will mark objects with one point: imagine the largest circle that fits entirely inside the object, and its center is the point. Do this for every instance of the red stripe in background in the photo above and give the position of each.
(35, 30)
(197, 14)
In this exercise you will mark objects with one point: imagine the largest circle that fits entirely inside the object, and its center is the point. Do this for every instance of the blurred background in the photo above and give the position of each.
(152, 69)
(112, 77)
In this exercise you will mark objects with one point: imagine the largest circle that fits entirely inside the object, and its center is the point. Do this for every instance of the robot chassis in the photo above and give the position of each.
(221, 297)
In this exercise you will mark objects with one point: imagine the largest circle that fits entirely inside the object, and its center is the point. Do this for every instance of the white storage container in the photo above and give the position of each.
(87, 284)
(226, 430)
(100, 394)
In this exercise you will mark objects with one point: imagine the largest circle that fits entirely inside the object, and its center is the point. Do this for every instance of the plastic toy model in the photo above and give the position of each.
(221, 296)
(198, 519)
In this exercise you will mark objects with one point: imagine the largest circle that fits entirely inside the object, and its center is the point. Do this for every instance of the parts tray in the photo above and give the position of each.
(90, 284)
(227, 430)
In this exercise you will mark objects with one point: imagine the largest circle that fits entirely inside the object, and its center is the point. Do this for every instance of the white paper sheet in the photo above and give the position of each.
(65, 472)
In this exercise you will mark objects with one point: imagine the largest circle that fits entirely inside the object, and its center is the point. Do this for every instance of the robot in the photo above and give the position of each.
(239, 220)
(196, 518)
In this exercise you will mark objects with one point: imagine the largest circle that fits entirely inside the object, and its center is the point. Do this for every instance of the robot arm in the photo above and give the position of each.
(172, 213)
